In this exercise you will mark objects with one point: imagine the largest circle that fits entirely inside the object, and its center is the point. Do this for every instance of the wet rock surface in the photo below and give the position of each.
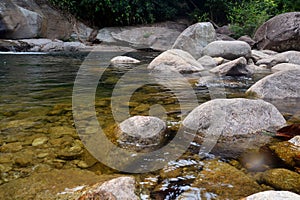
(213, 182)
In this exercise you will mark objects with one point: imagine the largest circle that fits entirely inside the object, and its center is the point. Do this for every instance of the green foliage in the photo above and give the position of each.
(246, 16)
(102, 13)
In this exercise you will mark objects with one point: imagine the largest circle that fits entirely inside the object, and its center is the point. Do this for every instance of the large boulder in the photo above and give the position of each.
(280, 33)
(31, 19)
(195, 38)
(176, 59)
(160, 36)
(18, 22)
(227, 49)
(234, 117)
(281, 85)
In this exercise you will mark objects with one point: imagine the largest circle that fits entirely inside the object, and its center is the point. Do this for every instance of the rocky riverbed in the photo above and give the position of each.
(243, 96)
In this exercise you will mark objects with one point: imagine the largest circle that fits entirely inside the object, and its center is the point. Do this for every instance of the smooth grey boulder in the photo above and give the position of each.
(177, 60)
(228, 49)
(280, 33)
(157, 38)
(32, 19)
(124, 60)
(274, 195)
(207, 62)
(285, 66)
(292, 57)
(231, 117)
(195, 38)
(237, 67)
(141, 133)
(280, 85)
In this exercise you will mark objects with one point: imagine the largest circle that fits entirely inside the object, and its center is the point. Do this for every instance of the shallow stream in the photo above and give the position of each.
(37, 128)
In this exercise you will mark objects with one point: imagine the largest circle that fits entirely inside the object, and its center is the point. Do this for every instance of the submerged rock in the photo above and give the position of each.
(227, 49)
(142, 133)
(281, 85)
(274, 195)
(219, 180)
(195, 38)
(52, 184)
(177, 60)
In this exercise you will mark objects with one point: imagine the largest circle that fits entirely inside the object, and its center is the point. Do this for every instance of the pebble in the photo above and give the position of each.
(40, 141)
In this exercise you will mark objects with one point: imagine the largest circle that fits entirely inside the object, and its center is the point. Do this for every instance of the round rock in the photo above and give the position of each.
(142, 133)
(228, 49)
(234, 117)
(274, 195)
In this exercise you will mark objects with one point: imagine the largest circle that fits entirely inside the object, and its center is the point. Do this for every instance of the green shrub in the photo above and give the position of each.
(101, 13)
(246, 16)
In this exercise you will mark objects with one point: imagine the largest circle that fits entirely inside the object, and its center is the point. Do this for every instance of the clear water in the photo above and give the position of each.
(31, 86)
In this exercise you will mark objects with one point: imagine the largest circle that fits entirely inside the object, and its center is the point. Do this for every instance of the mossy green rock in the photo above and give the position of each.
(48, 184)
(282, 179)
(225, 181)
(287, 152)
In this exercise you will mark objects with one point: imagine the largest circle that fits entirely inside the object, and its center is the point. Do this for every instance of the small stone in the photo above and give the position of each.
(295, 141)
(11, 147)
(207, 62)
(4, 168)
(83, 165)
(40, 141)
(219, 60)
(42, 155)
